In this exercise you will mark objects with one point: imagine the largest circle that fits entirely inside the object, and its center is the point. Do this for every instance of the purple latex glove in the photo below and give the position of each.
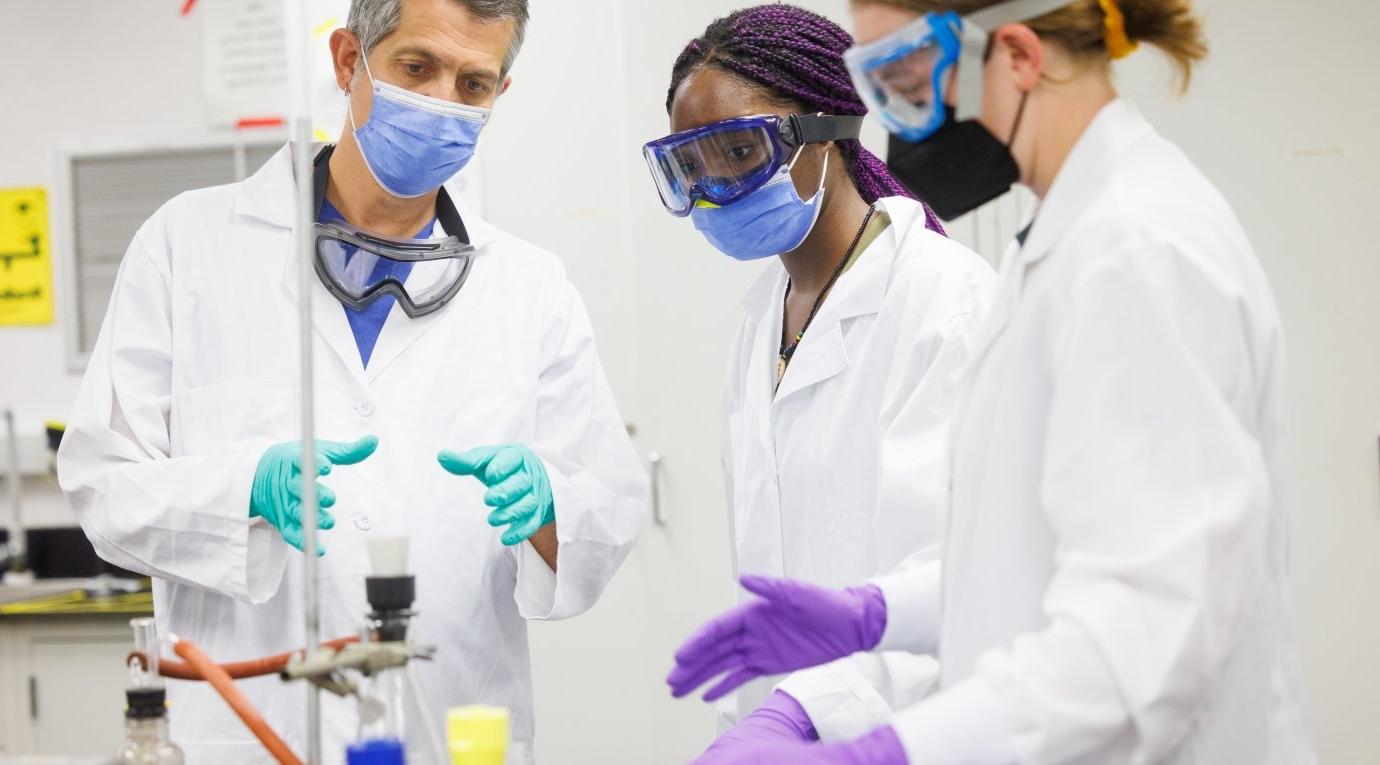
(780, 719)
(880, 747)
(792, 626)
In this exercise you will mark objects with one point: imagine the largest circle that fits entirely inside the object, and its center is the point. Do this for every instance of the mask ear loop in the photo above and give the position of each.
(822, 175)
(1020, 112)
(349, 108)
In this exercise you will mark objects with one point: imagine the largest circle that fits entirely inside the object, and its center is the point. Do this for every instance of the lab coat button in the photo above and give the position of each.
(364, 409)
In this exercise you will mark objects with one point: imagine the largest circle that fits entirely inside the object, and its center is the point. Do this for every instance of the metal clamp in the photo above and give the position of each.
(323, 666)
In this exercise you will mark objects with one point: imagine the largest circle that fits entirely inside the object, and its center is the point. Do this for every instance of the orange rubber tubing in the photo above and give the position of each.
(237, 670)
(220, 680)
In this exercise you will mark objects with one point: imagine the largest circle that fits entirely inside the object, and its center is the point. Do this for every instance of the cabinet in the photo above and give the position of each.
(62, 681)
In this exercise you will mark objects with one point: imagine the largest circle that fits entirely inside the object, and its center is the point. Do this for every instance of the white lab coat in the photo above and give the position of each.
(194, 376)
(839, 475)
(1113, 585)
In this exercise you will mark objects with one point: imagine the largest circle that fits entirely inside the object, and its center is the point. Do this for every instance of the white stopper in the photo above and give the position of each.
(388, 555)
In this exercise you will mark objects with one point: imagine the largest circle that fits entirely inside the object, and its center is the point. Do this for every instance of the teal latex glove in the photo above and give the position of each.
(519, 489)
(276, 495)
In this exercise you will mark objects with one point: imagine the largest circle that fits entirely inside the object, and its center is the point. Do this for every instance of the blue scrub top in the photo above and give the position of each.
(367, 323)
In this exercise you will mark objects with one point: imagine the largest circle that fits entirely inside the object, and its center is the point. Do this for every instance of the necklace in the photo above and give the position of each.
(788, 349)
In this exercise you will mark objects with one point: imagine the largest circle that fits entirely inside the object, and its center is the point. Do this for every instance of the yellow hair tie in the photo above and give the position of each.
(1118, 44)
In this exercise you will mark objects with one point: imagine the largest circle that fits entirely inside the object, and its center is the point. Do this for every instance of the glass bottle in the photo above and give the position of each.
(384, 697)
(383, 714)
(146, 730)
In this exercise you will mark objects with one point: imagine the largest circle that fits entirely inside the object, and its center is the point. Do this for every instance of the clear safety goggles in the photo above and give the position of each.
(421, 274)
(911, 77)
(725, 161)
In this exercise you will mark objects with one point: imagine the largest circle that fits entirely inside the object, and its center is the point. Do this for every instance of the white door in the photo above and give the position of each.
(77, 691)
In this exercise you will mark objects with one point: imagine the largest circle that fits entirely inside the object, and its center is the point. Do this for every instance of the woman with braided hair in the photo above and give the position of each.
(1114, 578)
(845, 366)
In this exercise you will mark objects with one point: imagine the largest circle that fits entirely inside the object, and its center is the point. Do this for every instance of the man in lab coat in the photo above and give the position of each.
(180, 457)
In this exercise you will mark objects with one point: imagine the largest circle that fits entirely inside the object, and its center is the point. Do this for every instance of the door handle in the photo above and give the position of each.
(654, 462)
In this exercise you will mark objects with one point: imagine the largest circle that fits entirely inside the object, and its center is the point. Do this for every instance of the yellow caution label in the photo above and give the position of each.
(26, 270)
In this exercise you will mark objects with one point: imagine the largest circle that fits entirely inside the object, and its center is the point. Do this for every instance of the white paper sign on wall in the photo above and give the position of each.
(244, 63)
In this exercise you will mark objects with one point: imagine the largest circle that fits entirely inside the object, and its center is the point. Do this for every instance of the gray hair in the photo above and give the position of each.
(372, 20)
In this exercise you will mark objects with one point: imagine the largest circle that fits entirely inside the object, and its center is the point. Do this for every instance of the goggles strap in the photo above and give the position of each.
(1010, 12)
(446, 212)
(976, 29)
(800, 129)
(972, 55)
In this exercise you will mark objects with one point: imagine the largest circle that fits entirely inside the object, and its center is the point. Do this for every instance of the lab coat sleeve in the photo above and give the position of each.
(849, 697)
(1157, 492)
(184, 519)
(598, 484)
(912, 605)
(916, 464)
(853, 695)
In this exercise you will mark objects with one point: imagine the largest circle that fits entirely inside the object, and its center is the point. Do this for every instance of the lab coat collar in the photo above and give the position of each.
(860, 291)
(400, 331)
(269, 195)
(1084, 175)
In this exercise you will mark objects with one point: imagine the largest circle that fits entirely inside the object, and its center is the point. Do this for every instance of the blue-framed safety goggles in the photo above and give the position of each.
(725, 161)
(911, 77)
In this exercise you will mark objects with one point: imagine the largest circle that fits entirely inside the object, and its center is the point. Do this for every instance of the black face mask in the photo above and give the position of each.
(958, 169)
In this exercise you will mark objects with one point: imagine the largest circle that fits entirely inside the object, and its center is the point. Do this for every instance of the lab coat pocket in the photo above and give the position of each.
(215, 416)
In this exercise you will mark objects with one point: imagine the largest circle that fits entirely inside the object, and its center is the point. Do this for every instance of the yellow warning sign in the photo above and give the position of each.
(26, 272)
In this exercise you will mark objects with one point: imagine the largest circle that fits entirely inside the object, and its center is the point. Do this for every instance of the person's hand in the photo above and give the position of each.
(880, 747)
(519, 489)
(780, 719)
(792, 625)
(276, 495)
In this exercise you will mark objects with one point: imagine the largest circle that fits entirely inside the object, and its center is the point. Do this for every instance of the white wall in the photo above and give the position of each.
(73, 69)
(1282, 116)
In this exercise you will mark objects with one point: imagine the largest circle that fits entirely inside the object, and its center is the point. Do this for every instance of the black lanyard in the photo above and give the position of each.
(788, 349)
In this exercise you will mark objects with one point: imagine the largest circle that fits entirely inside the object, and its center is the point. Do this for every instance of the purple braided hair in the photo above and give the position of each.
(795, 57)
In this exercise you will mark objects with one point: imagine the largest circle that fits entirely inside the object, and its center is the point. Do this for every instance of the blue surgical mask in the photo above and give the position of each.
(413, 143)
(770, 221)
